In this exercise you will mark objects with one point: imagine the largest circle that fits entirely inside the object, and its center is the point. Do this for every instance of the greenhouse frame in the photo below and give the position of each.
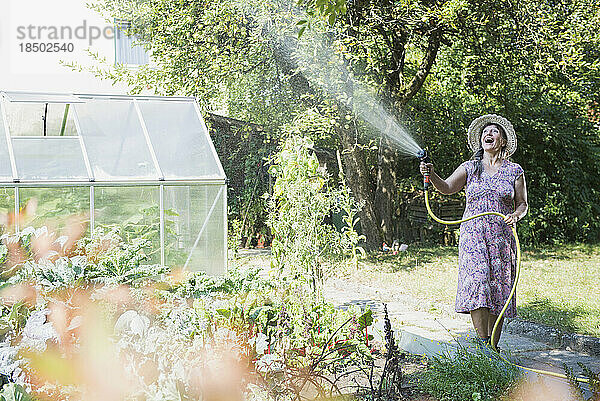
(143, 164)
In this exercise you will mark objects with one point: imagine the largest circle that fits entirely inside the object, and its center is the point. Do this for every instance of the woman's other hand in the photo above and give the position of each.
(426, 168)
(511, 219)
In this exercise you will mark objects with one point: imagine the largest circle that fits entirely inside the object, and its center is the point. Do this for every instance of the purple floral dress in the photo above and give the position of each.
(486, 248)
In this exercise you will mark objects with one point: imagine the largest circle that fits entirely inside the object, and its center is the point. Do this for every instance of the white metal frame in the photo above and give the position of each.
(120, 183)
(92, 211)
(17, 210)
(69, 98)
(161, 217)
(11, 155)
(161, 176)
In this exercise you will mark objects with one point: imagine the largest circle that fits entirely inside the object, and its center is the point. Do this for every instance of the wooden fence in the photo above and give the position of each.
(422, 226)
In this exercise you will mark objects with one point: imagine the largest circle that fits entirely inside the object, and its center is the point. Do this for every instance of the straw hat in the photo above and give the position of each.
(474, 132)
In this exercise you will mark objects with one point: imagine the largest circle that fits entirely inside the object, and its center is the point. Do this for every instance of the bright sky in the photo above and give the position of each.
(25, 25)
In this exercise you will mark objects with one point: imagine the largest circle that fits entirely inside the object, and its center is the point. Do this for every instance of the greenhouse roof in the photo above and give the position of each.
(85, 138)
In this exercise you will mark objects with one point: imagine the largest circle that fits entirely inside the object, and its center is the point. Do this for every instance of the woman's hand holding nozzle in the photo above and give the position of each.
(426, 168)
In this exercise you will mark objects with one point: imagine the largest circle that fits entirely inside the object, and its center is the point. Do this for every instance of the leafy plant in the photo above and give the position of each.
(13, 318)
(115, 260)
(465, 376)
(14, 392)
(61, 273)
(301, 203)
(350, 209)
(234, 237)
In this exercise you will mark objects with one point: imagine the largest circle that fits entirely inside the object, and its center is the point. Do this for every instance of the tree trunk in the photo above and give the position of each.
(385, 195)
(359, 180)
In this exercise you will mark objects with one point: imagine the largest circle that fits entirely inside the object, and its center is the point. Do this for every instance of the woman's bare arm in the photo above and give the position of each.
(521, 205)
(450, 185)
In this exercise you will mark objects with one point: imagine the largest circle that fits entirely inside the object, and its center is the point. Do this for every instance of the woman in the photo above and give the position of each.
(487, 249)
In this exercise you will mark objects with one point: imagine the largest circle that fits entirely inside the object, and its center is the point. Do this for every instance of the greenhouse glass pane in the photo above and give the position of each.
(5, 169)
(134, 212)
(114, 140)
(7, 207)
(52, 159)
(182, 145)
(187, 211)
(62, 210)
(27, 119)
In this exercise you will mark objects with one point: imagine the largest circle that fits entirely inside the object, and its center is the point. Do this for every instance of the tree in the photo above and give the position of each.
(437, 64)
(395, 45)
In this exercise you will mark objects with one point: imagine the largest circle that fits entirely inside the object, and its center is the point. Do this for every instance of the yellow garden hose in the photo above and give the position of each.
(512, 292)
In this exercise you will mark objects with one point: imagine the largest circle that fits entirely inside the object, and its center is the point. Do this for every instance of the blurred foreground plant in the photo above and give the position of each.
(96, 323)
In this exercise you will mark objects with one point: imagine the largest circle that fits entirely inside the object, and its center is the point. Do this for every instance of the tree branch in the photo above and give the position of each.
(424, 69)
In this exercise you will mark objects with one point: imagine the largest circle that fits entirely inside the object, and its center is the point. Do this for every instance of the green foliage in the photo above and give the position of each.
(499, 67)
(236, 280)
(14, 392)
(300, 204)
(117, 261)
(141, 229)
(61, 273)
(329, 10)
(243, 149)
(234, 236)
(468, 376)
(13, 318)
(350, 209)
(24, 239)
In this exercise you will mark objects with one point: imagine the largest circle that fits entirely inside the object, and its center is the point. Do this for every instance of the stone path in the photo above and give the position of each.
(431, 333)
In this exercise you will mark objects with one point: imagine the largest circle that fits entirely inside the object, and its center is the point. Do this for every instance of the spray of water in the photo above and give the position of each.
(325, 67)
(321, 62)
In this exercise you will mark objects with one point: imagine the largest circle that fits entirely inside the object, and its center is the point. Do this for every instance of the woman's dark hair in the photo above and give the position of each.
(478, 155)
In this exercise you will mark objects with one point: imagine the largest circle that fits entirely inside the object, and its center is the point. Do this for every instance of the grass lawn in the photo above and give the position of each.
(559, 286)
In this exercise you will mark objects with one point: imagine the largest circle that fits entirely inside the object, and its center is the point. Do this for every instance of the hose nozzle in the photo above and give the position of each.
(424, 157)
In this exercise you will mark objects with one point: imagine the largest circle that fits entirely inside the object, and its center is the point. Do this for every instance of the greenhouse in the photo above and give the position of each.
(143, 164)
